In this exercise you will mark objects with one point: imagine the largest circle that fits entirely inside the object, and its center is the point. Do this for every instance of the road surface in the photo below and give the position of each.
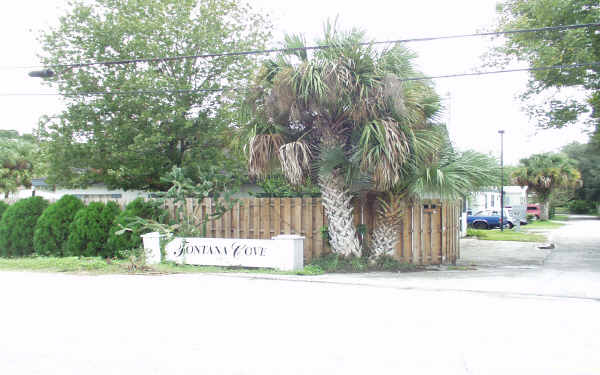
(538, 318)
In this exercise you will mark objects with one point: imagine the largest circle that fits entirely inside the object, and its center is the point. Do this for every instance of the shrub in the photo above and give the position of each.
(339, 263)
(335, 263)
(17, 226)
(277, 186)
(52, 228)
(149, 210)
(581, 207)
(3, 207)
(89, 230)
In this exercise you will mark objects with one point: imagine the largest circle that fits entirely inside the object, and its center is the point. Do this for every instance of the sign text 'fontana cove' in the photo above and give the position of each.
(284, 252)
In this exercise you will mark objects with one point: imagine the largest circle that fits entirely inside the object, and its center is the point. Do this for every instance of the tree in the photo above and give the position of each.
(131, 140)
(337, 113)
(17, 155)
(444, 173)
(52, 227)
(545, 173)
(564, 47)
(89, 230)
(587, 158)
(17, 225)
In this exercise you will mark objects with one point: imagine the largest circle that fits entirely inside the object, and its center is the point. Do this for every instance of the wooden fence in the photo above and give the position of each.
(429, 232)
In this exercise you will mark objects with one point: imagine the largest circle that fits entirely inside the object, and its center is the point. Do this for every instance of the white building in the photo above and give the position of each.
(490, 198)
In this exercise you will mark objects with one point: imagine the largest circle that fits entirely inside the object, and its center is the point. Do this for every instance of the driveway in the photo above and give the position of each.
(539, 318)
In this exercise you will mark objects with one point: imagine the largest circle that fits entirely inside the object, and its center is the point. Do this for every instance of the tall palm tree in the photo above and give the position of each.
(337, 113)
(543, 173)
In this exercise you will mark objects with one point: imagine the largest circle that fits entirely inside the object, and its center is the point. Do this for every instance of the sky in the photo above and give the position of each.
(476, 107)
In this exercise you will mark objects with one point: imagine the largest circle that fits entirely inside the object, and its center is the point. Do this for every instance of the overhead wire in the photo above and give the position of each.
(308, 48)
(186, 91)
(276, 50)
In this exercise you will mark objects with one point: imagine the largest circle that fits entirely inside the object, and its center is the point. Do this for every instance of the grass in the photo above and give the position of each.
(539, 224)
(507, 235)
(330, 263)
(67, 264)
(561, 217)
(97, 265)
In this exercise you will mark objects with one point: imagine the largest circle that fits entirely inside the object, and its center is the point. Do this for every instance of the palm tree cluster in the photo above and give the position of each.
(544, 173)
(345, 116)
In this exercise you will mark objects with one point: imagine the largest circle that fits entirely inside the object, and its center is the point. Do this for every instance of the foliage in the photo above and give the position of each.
(88, 232)
(544, 173)
(587, 159)
(335, 263)
(130, 141)
(565, 47)
(582, 207)
(3, 207)
(17, 226)
(131, 239)
(276, 186)
(189, 222)
(17, 154)
(342, 117)
(52, 228)
(449, 174)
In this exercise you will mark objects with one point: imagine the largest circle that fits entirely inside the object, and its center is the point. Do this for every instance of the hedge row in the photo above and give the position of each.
(69, 228)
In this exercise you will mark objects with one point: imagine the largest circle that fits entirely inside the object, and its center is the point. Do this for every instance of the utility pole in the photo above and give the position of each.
(502, 180)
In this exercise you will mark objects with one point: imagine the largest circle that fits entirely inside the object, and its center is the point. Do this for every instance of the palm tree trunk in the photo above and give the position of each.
(389, 219)
(384, 239)
(545, 210)
(342, 232)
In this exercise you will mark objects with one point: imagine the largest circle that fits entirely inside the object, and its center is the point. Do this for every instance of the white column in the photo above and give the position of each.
(293, 248)
(152, 247)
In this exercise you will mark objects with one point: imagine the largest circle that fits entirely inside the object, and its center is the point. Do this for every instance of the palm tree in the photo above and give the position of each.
(337, 113)
(443, 173)
(543, 173)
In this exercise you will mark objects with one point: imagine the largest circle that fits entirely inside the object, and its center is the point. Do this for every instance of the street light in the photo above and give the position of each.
(502, 180)
(46, 73)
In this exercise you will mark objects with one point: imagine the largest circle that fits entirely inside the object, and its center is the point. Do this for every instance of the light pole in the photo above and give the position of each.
(502, 180)
(46, 73)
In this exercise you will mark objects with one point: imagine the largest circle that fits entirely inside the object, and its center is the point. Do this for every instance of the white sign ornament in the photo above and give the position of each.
(282, 252)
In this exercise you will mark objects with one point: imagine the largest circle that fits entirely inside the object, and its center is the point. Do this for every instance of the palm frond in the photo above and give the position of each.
(262, 151)
(295, 158)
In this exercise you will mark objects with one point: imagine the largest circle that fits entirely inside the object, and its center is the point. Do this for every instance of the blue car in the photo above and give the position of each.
(488, 219)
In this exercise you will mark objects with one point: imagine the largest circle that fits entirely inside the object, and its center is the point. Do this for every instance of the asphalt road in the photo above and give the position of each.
(531, 318)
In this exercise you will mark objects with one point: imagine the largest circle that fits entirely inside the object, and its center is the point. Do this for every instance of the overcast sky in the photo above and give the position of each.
(477, 107)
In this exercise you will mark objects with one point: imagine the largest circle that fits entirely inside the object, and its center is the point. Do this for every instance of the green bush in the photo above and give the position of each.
(52, 228)
(149, 210)
(335, 263)
(3, 207)
(277, 186)
(17, 226)
(89, 230)
(581, 207)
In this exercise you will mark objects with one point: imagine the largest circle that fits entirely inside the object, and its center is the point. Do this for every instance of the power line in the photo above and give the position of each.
(275, 50)
(573, 66)
(186, 91)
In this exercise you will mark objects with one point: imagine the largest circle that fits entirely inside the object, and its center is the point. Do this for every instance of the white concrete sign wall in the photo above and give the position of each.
(284, 252)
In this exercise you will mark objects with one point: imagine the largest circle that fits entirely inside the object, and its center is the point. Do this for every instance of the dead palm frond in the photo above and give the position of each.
(262, 149)
(295, 158)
